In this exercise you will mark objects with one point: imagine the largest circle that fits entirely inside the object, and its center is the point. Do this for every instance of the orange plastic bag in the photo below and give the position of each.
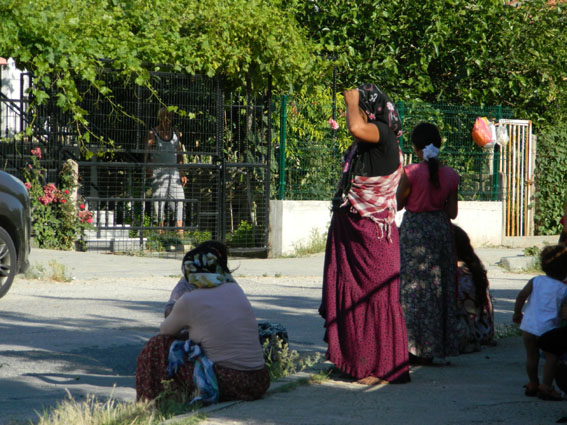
(481, 132)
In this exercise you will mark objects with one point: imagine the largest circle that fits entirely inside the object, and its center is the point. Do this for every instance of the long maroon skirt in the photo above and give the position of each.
(364, 323)
(233, 384)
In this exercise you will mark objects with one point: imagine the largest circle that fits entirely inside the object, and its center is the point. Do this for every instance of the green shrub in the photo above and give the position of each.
(245, 235)
(551, 178)
(282, 361)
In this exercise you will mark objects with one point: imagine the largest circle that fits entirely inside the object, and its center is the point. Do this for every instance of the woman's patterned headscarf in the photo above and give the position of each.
(204, 271)
(378, 107)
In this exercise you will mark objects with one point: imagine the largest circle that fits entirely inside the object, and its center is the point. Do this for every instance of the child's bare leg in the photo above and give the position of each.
(549, 368)
(532, 356)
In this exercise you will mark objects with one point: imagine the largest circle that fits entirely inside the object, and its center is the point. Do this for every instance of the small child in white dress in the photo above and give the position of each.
(541, 321)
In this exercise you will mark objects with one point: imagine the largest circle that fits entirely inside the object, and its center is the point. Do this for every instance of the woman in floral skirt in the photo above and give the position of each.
(428, 191)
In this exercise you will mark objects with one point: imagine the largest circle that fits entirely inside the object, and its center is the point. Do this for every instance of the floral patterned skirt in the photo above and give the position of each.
(151, 371)
(428, 284)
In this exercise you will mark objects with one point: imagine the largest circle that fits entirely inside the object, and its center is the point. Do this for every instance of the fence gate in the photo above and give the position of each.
(517, 167)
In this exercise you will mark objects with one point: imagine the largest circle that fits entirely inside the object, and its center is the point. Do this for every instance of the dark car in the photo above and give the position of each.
(15, 225)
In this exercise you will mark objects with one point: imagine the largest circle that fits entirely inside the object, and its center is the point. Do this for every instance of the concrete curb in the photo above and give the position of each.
(275, 386)
(518, 263)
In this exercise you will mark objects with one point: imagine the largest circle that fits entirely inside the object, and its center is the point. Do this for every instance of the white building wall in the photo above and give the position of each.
(292, 223)
(11, 87)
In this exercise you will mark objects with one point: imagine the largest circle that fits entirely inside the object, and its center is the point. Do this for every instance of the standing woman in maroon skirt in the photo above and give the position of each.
(364, 323)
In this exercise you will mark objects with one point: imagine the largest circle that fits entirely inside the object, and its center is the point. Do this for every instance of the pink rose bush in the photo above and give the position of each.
(57, 222)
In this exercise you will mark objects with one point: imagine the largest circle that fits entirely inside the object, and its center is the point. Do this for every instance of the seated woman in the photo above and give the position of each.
(474, 305)
(222, 359)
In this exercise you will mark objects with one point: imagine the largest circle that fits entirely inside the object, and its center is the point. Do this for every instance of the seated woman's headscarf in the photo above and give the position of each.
(378, 107)
(205, 266)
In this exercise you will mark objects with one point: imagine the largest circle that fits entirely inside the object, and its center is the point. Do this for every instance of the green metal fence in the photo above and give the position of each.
(309, 151)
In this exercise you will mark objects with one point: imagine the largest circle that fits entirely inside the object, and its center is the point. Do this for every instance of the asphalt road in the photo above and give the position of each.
(84, 337)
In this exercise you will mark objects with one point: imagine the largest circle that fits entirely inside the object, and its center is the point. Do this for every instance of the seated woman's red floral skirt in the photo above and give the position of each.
(233, 384)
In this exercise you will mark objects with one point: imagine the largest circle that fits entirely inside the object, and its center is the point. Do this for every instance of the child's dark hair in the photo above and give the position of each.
(554, 261)
(214, 247)
(466, 254)
(423, 135)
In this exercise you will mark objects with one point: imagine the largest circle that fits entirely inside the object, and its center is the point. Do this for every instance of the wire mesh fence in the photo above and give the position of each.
(477, 167)
(215, 178)
(311, 165)
(308, 151)
(157, 187)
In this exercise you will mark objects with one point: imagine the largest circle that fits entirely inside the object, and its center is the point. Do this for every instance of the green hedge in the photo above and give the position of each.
(551, 177)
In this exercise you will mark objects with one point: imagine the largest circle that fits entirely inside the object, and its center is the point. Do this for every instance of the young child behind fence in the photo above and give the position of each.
(541, 321)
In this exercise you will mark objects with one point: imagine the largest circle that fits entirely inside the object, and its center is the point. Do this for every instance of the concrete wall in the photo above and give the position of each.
(292, 223)
(483, 221)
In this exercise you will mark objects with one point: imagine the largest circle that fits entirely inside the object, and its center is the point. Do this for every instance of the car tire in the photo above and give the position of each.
(8, 261)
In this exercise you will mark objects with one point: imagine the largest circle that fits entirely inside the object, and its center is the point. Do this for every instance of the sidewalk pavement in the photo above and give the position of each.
(93, 265)
(85, 336)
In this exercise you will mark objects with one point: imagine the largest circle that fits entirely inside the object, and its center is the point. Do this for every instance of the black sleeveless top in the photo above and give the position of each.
(377, 159)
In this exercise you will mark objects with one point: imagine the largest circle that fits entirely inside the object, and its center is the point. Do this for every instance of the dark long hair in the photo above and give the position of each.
(466, 254)
(554, 261)
(423, 135)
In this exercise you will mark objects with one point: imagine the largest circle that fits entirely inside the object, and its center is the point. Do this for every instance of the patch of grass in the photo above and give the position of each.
(532, 251)
(316, 243)
(172, 402)
(506, 331)
(35, 271)
(59, 272)
(94, 412)
(282, 361)
(111, 412)
(56, 272)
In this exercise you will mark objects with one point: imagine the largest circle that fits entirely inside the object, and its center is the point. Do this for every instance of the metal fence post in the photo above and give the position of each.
(335, 95)
(281, 162)
(496, 162)
(268, 106)
(401, 111)
(220, 154)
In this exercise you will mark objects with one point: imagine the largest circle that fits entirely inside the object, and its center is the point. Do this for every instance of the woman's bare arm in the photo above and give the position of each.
(177, 319)
(358, 127)
(452, 205)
